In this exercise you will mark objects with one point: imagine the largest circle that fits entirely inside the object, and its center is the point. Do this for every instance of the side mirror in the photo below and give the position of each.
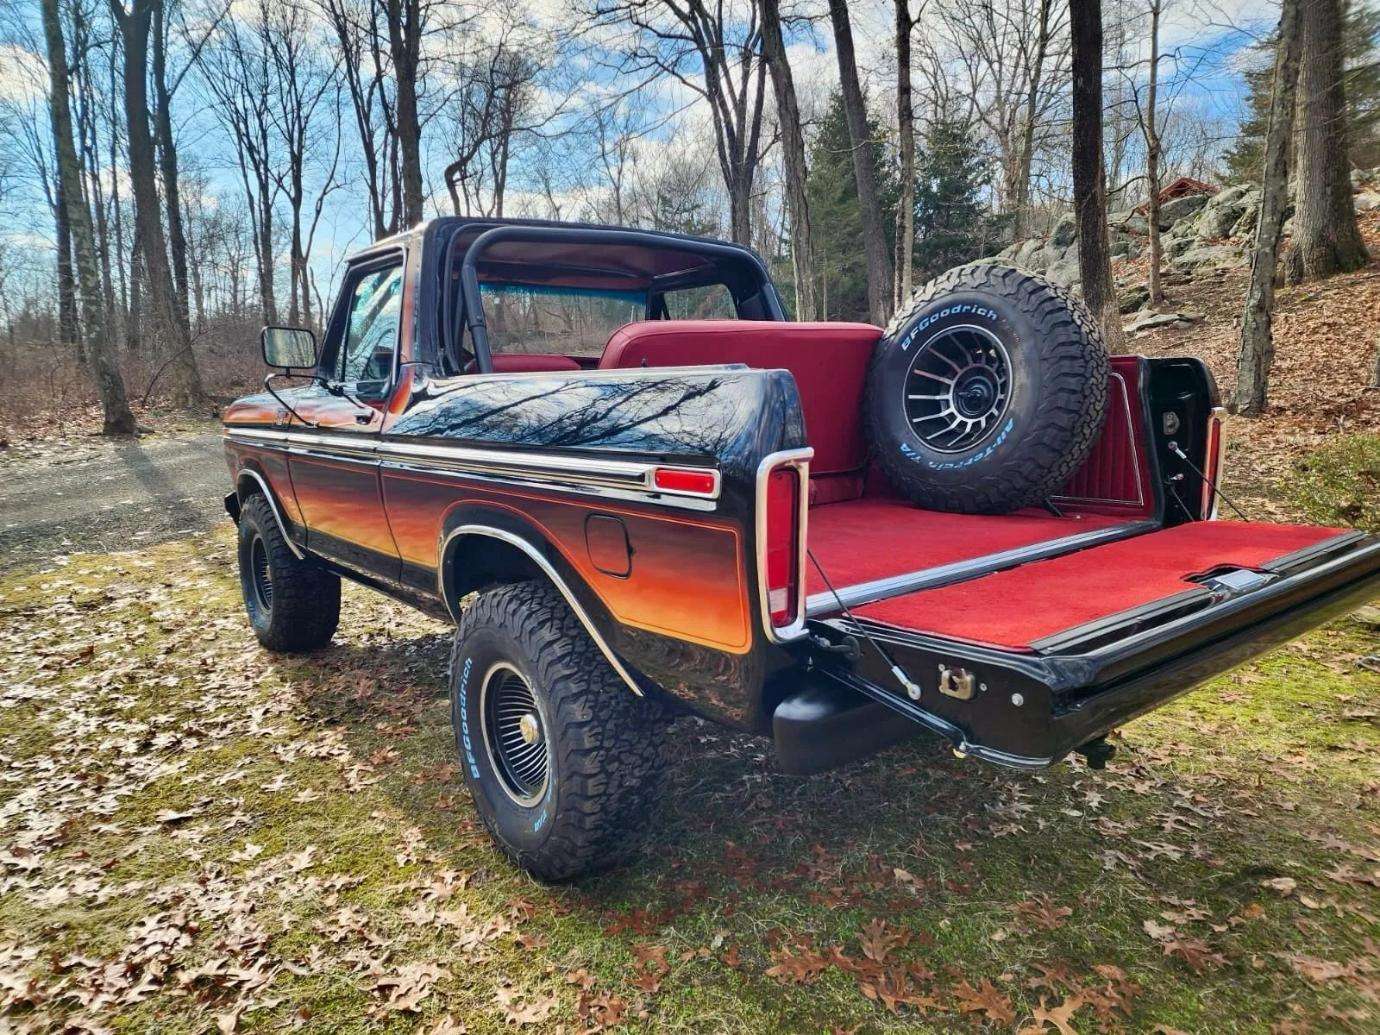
(288, 348)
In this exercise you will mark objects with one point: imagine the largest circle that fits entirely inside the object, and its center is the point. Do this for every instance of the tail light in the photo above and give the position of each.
(783, 575)
(781, 545)
(1212, 462)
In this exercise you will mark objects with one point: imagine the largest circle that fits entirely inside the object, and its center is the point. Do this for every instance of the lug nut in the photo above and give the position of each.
(1018, 699)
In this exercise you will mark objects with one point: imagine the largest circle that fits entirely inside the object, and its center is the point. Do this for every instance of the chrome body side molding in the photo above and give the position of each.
(626, 479)
(548, 570)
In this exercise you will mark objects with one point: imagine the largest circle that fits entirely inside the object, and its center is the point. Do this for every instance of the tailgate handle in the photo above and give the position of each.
(1234, 583)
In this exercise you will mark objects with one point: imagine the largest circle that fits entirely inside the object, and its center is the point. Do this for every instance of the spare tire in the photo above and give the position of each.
(986, 392)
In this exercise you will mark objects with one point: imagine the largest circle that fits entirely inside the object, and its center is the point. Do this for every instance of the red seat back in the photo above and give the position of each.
(829, 362)
(531, 363)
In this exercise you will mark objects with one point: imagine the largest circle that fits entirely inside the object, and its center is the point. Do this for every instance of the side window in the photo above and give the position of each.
(371, 328)
(709, 302)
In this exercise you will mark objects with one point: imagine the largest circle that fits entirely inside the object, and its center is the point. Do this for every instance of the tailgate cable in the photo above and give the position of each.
(1174, 448)
(911, 687)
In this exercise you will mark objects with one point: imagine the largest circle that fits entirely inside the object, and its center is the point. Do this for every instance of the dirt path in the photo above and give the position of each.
(111, 497)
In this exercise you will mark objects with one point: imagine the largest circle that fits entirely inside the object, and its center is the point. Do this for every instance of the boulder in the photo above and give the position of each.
(1129, 221)
(1221, 214)
(1064, 273)
(1150, 321)
(1065, 231)
(1133, 298)
(1209, 255)
(1367, 201)
(1174, 211)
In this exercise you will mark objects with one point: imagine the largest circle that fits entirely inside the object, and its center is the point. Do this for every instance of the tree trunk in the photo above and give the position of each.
(1021, 209)
(793, 151)
(1257, 341)
(1089, 176)
(134, 26)
(864, 168)
(67, 288)
(404, 38)
(1152, 159)
(1325, 238)
(905, 141)
(104, 372)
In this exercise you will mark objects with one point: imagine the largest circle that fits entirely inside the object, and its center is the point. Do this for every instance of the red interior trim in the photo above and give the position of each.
(1021, 606)
(864, 540)
(829, 361)
(1115, 479)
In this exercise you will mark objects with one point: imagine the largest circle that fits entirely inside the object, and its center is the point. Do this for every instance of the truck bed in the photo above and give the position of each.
(875, 548)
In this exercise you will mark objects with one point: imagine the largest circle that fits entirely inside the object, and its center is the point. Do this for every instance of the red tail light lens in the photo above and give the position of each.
(783, 545)
(1212, 464)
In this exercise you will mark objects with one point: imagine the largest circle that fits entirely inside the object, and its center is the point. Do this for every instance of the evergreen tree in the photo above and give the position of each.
(1361, 55)
(952, 225)
(836, 218)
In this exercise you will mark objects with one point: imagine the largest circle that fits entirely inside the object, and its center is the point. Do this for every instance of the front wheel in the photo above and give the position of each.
(560, 757)
(293, 603)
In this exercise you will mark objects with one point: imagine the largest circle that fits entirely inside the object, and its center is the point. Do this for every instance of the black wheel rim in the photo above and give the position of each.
(515, 734)
(259, 574)
(958, 388)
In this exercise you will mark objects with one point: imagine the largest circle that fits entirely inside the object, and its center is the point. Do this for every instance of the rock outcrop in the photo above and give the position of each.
(1200, 234)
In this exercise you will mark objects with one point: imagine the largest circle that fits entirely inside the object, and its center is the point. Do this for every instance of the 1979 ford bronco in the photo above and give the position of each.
(639, 491)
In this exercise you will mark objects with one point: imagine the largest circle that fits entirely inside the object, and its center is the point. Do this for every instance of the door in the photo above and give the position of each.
(335, 471)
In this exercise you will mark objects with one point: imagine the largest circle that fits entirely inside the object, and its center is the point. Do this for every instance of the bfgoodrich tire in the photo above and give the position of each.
(987, 391)
(293, 603)
(561, 758)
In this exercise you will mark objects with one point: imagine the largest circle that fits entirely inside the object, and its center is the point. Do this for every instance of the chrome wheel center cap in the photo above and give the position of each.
(528, 728)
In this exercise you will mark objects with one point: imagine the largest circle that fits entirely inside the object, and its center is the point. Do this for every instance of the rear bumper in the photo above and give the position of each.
(1028, 710)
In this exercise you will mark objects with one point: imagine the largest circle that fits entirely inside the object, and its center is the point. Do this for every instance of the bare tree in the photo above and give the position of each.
(864, 167)
(715, 51)
(1014, 56)
(1325, 239)
(367, 67)
(134, 24)
(1150, 129)
(905, 142)
(95, 327)
(406, 24)
(1089, 176)
(1257, 339)
(306, 117)
(793, 155)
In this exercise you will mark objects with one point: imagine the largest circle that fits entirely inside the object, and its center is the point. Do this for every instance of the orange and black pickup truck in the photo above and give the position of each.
(640, 492)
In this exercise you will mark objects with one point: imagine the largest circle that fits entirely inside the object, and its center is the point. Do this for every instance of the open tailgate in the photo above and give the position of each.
(1023, 666)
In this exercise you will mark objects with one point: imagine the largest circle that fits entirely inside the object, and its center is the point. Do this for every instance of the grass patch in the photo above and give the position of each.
(198, 833)
(1340, 483)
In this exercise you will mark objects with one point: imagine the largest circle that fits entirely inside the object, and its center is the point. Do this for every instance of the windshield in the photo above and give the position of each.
(524, 318)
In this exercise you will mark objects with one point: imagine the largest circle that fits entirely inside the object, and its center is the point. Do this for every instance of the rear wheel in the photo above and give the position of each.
(560, 757)
(293, 603)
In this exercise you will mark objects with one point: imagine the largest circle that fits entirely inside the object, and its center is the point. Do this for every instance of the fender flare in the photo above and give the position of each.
(248, 474)
(475, 525)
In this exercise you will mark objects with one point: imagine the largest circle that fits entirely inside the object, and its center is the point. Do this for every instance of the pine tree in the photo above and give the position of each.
(1361, 56)
(836, 216)
(952, 225)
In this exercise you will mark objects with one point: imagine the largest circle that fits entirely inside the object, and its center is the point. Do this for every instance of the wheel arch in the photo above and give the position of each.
(482, 547)
(250, 482)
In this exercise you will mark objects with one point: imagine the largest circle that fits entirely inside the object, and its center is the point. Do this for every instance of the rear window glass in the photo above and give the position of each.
(524, 318)
(709, 302)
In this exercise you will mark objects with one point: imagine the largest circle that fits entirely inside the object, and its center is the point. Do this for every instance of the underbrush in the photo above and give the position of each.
(1340, 483)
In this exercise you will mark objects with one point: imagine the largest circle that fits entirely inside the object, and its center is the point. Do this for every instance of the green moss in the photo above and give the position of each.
(1340, 483)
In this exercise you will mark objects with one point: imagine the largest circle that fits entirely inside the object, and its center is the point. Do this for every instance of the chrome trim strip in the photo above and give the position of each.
(959, 571)
(550, 572)
(800, 460)
(273, 506)
(631, 475)
(1139, 501)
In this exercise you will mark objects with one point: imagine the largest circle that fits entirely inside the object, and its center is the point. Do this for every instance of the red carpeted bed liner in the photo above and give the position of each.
(1021, 606)
(863, 540)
